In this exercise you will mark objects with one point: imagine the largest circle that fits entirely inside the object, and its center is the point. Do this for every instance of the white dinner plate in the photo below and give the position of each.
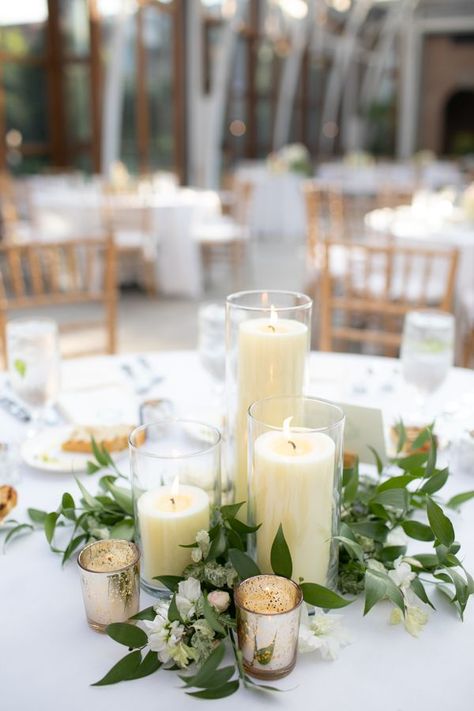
(44, 452)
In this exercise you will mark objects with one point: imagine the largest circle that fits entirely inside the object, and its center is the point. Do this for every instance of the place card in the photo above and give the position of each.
(364, 425)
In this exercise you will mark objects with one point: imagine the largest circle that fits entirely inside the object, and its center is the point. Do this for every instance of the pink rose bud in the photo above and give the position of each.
(219, 600)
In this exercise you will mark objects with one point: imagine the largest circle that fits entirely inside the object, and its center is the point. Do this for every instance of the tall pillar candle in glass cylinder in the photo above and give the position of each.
(296, 455)
(268, 338)
(175, 480)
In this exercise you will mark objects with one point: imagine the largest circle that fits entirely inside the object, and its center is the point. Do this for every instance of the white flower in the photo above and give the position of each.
(322, 631)
(376, 565)
(219, 600)
(415, 618)
(163, 635)
(189, 592)
(402, 575)
(202, 538)
(396, 537)
(196, 555)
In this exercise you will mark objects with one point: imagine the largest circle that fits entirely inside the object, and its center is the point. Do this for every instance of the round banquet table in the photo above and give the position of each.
(50, 657)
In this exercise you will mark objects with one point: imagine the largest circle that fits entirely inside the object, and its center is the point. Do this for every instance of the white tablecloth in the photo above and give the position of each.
(49, 656)
(60, 213)
(277, 207)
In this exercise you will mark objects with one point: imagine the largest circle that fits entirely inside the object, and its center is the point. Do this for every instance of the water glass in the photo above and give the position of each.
(211, 341)
(427, 350)
(34, 362)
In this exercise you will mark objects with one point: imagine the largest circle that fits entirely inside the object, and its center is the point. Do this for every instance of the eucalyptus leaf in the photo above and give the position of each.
(375, 589)
(440, 523)
(422, 438)
(371, 529)
(149, 665)
(170, 582)
(16, 531)
(123, 529)
(419, 590)
(396, 482)
(242, 528)
(230, 511)
(121, 671)
(73, 545)
(320, 596)
(243, 564)
(378, 461)
(148, 613)
(68, 507)
(418, 531)
(50, 525)
(129, 635)
(353, 548)
(211, 618)
(280, 555)
(435, 482)
(89, 500)
(37, 516)
(412, 460)
(218, 545)
(206, 671)
(395, 498)
(351, 487)
(402, 435)
(219, 677)
(98, 453)
(455, 502)
(218, 693)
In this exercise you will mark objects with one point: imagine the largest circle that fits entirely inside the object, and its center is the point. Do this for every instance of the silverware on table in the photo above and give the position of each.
(15, 409)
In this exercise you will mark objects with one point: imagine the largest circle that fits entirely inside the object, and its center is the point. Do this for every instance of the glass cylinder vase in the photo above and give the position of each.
(268, 337)
(295, 468)
(175, 466)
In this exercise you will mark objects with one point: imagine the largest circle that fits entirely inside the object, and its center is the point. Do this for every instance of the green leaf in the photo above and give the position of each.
(371, 529)
(435, 482)
(92, 468)
(402, 435)
(440, 523)
(50, 525)
(242, 528)
(353, 548)
(419, 590)
(173, 612)
(431, 461)
(396, 482)
(206, 671)
(391, 553)
(123, 497)
(395, 498)
(73, 544)
(218, 545)
(99, 453)
(412, 461)
(20, 367)
(211, 618)
(123, 529)
(378, 461)
(147, 614)
(219, 677)
(352, 484)
(17, 530)
(230, 511)
(219, 693)
(37, 516)
(170, 582)
(68, 507)
(89, 500)
(418, 531)
(122, 670)
(319, 596)
(427, 560)
(423, 437)
(375, 589)
(149, 664)
(129, 635)
(243, 564)
(280, 555)
(456, 501)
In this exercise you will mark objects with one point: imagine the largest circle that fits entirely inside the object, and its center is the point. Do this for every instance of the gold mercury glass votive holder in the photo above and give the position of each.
(110, 580)
(268, 619)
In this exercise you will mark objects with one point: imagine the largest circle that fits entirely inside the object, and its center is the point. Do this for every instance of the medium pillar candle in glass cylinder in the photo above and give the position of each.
(175, 480)
(296, 463)
(268, 338)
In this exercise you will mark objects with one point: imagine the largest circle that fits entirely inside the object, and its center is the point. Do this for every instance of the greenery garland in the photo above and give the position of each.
(192, 627)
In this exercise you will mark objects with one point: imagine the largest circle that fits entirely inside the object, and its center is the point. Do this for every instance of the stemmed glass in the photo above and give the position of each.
(427, 353)
(34, 364)
(211, 344)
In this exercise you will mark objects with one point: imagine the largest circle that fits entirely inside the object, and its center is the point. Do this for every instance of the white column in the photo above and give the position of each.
(113, 89)
(410, 71)
(195, 124)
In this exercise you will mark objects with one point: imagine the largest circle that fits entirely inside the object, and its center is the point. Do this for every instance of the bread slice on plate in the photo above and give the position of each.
(8, 500)
(114, 438)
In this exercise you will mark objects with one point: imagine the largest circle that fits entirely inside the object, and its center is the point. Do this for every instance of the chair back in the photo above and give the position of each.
(45, 274)
(366, 290)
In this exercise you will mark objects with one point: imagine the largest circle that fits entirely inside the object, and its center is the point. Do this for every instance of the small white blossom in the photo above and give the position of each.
(196, 555)
(219, 599)
(402, 575)
(204, 542)
(163, 635)
(376, 565)
(189, 592)
(414, 620)
(323, 632)
(396, 537)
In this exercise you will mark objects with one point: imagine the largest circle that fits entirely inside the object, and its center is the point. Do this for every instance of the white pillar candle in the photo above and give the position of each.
(293, 485)
(168, 518)
(272, 354)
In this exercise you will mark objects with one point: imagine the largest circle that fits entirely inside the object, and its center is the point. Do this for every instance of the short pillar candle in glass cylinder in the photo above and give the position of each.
(175, 480)
(110, 580)
(267, 343)
(296, 455)
(268, 611)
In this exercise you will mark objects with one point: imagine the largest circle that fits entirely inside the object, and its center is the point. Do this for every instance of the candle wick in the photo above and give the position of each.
(292, 444)
(272, 327)
(173, 501)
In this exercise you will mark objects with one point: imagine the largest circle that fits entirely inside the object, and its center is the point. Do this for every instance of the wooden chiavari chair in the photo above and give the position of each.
(380, 284)
(51, 274)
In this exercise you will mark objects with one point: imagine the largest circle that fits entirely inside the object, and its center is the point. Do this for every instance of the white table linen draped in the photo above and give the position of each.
(50, 657)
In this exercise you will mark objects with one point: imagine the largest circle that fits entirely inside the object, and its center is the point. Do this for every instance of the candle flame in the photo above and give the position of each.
(273, 316)
(175, 487)
(286, 426)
